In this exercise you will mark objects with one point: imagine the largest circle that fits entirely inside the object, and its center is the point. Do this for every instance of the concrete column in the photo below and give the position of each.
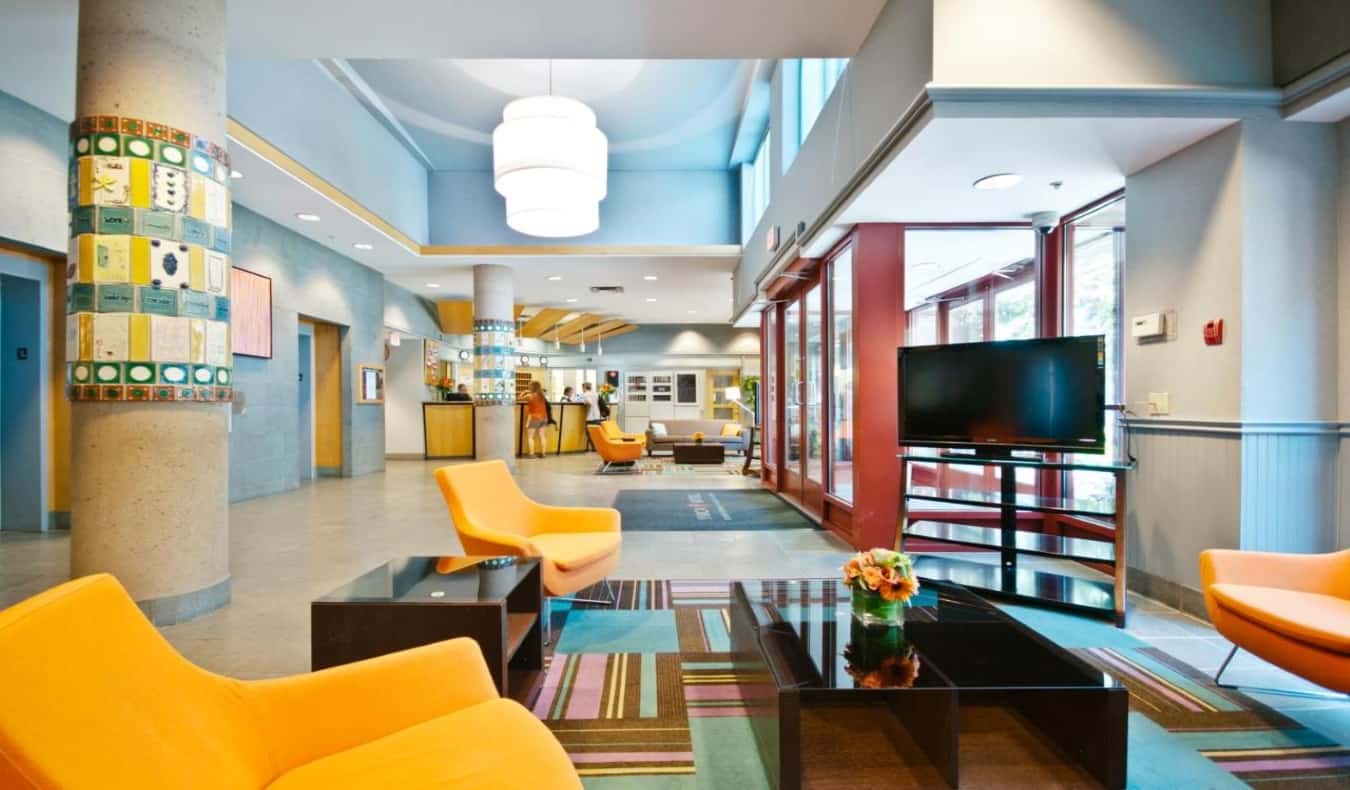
(494, 363)
(148, 322)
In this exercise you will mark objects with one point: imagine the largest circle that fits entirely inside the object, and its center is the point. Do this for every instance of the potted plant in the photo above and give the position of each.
(882, 582)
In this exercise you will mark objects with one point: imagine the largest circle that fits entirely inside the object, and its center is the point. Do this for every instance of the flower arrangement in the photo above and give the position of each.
(881, 658)
(606, 391)
(698, 437)
(445, 386)
(882, 581)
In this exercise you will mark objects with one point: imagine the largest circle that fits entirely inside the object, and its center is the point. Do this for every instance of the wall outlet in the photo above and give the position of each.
(1157, 404)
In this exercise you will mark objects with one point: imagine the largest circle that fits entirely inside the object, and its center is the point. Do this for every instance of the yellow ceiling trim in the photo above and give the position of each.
(280, 159)
(592, 330)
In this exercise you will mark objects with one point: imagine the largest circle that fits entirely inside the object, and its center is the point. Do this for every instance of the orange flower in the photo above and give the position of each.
(902, 590)
(872, 577)
(852, 570)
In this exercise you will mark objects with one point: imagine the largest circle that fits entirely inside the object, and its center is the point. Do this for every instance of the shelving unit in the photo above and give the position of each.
(1081, 594)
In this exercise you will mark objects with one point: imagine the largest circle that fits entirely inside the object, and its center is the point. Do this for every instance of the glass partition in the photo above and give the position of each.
(815, 381)
(792, 407)
(768, 391)
(841, 375)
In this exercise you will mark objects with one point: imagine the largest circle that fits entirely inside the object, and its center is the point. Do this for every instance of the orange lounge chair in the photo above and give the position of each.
(615, 435)
(91, 696)
(576, 546)
(1292, 610)
(614, 451)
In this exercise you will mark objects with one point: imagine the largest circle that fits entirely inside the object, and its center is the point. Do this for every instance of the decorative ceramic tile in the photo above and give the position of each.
(81, 373)
(195, 231)
(170, 339)
(156, 131)
(135, 392)
(168, 264)
(133, 126)
(140, 260)
(171, 154)
(163, 393)
(116, 298)
(82, 220)
(173, 374)
(180, 138)
(222, 172)
(73, 337)
(80, 298)
(160, 224)
(84, 181)
(196, 304)
(217, 273)
(196, 340)
(112, 258)
(139, 147)
(112, 340)
(185, 393)
(200, 162)
(114, 220)
(110, 181)
(220, 239)
(140, 336)
(82, 145)
(107, 145)
(73, 253)
(222, 312)
(203, 375)
(170, 189)
(223, 393)
(139, 372)
(110, 392)
(107, 372)
(223, 376)
(197, 196)
(158, 301)
(217, 205)
(217, 343)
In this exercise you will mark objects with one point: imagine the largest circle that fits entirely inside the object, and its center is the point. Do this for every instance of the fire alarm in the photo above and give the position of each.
(1214, 332)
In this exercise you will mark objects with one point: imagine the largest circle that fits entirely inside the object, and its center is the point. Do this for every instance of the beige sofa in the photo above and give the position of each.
(682, 432)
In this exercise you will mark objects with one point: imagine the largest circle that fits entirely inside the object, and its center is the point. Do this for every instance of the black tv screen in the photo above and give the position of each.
(1045, 394)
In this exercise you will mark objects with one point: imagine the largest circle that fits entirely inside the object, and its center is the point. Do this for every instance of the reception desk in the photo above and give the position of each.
(448, 428)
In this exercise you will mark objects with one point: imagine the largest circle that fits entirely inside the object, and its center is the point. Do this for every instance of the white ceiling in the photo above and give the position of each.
(700, 283)
(930, 179)
(657, 114)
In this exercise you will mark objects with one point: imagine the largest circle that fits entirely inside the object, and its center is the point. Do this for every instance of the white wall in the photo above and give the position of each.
(1101, 42)
(404, 392)
(33, 161)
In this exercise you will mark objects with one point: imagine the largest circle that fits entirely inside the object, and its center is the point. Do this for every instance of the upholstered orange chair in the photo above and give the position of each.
(614, 451)
(615, 435)
(576, 546)
(1292, 610)
(91, 696)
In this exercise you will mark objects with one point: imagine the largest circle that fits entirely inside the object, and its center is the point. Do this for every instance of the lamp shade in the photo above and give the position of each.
(733, 393)
(550, 162)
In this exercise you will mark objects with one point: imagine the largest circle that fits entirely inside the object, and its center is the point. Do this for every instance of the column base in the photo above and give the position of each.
(173, 609)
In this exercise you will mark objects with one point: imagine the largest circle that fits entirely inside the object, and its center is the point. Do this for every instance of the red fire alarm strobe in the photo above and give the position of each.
(1214, 332)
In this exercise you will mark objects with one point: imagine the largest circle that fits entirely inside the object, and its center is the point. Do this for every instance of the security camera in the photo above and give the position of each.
(1045, 221)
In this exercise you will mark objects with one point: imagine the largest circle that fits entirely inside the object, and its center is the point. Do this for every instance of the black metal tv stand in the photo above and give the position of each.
(1080, 593)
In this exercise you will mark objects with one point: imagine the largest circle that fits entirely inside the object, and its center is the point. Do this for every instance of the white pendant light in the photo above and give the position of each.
(550, 162)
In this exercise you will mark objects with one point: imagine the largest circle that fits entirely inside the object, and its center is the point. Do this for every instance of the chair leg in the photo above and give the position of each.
(1329, 695)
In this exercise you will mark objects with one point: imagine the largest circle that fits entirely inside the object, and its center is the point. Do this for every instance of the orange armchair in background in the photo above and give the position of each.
(615, 435)
(94, 697)
(614, 451)
(576, 546)
(1292, 610)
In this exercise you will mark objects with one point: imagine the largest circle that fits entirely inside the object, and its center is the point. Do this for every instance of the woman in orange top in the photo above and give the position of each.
(536, 420)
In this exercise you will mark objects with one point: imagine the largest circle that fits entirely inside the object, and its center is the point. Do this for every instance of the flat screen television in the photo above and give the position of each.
(1044, 394)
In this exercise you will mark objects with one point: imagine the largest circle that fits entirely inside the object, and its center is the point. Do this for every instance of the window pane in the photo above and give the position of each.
(841, 400)
(965, 322)
(768, 391)
(818, 77)
(815, 333)
(1015, 312)
(792, 407)
(923, 327)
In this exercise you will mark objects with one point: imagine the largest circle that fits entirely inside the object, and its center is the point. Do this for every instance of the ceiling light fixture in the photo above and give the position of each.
(236, 174)
(553, 278)
(650, 277)
(998, 181)
(433, 285)
(571, 299)
(307, 217)
(361, 245)
(550, 162)
(651, 298)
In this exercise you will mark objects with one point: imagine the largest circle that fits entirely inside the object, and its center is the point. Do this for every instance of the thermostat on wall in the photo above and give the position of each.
(1151, 325)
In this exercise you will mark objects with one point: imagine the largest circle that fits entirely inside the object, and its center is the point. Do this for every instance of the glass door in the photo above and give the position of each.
(792, 404)
(813, 352)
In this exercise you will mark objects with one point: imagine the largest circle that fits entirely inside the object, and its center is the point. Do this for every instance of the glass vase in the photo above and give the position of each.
(870, 609)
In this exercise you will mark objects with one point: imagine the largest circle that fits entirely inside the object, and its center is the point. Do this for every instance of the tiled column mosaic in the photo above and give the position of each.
(494, 363)
(148, 303)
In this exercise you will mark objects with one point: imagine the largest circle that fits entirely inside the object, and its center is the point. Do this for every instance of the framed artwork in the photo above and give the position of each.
(431, 356)
(250, 314)
(370, 383)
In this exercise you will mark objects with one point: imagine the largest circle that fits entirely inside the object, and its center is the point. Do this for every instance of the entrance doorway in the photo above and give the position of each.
(326, 396)
(22, 505)
(305, 401)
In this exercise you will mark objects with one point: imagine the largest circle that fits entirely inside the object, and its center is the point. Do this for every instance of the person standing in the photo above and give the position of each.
(536, 420)
(593, 415)
(568, 396)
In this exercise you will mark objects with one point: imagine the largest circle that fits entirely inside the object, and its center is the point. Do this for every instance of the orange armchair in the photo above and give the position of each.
(94, 697)
(1292, 610)
(576, 546)
(615, 435)
(614, 451)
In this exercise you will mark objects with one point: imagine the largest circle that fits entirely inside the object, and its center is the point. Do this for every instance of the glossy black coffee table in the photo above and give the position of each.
(801, 657)
(413, 601)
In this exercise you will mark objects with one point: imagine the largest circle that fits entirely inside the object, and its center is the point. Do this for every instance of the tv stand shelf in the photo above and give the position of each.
(1081, 593)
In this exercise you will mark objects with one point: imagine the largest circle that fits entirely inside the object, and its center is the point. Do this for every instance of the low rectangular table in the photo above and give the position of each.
(706, 453)
(819, 684)
(413, 601)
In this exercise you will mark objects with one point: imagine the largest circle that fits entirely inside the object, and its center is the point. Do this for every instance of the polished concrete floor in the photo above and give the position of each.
(289, 548)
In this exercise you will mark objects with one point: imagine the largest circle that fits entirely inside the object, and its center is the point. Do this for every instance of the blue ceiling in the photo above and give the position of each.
(658, 114)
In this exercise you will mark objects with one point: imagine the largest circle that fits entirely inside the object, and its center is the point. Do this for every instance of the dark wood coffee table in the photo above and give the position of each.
(706, 453)
(413, 601)
(831, 698)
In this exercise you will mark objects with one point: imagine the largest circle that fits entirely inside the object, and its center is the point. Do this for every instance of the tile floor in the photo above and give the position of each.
(289, 548)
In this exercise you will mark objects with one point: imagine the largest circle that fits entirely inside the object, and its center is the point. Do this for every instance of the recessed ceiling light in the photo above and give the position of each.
(361, 245)
(571, 299)
(691, 312)
(236, 174)
(553, 278)
(649, 277)
(433, 285)
(307, 217)
(998, 181)
(651, 299)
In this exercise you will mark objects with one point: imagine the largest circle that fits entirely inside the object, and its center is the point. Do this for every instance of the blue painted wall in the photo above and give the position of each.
(299, 108)
(643, 207)
(22, 494)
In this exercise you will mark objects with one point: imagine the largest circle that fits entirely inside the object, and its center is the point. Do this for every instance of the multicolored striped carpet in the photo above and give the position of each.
(642, 695)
